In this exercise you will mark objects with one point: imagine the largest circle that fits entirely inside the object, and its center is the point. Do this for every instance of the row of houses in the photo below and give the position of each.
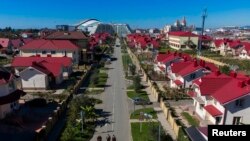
(143, 42)
(217, 98)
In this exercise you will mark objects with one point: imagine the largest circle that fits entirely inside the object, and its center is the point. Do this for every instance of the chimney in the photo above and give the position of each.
(180, 54)
(175, 53)
(241, 84)
(233, 74)
(217, 73)
(195, 63)
(248, 81)
(185, 58)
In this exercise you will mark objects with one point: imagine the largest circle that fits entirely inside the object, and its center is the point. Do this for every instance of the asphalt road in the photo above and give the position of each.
(115, 120)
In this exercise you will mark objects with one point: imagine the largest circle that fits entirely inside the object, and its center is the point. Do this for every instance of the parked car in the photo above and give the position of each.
(140, 101)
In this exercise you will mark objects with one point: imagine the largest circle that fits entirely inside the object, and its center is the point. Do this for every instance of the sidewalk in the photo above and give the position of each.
(161, 117)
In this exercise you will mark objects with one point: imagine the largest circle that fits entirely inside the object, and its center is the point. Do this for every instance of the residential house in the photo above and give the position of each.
(222, 99)
(162, 62)
(182, 40)
(76, 37)
(51, 48)
(20, 63)
(226, 46)
(9, 94)
(244, 52)
(183, 73)
(5, 45)
(42, 73)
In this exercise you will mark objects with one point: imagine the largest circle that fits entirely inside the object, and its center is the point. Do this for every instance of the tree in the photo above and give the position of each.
(137, 83)
(89, 112)
(132, 69)
(225, 69)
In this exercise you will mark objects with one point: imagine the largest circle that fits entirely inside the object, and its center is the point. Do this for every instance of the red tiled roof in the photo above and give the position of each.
(27, 40)
(203, 130)
(72, 35)
(16, 43)
(4, 42)
(27, 61)
(213, 111)
(184, 68)
(191, 93)
(14, 96)
(54, 68)
(218, 42)
(205, 38)
(178, 82)
(41, 44)
(182, 34)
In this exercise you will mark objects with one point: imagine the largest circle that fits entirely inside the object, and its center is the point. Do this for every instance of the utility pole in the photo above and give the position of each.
(204, 16)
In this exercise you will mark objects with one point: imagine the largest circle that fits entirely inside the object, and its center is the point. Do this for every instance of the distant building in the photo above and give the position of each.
(122, 30)
(65, 28)
(182, 40)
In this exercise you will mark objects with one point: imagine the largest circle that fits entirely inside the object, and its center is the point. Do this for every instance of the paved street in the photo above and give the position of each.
(115, 112)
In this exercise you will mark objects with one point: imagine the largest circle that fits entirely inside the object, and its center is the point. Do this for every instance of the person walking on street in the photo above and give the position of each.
(108, 138)
(113, 138)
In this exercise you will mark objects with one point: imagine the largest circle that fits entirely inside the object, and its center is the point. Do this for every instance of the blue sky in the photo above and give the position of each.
(137, 13)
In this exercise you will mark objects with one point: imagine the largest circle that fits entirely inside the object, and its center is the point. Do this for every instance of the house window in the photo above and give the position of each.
(44, 52)
(237, 120)
(53, 52)
(201, 106)
(239, 103)
(192, 76)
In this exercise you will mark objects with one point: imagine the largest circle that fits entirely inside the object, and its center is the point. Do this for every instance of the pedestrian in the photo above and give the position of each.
(99, 138)
(113, 138)
(108, 137)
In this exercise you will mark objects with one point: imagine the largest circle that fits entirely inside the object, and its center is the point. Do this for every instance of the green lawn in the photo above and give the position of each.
(126, 60)
(146, 134)
(133, 94)
(4, 61)
(191, 120)
(130, 87)
(136, 114)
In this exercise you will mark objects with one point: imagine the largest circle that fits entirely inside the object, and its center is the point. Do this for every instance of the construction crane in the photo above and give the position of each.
(204, 16)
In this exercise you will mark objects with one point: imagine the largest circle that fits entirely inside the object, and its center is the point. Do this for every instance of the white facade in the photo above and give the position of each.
(34, 79)
(74, 54)
(244, 54)
(179, 42)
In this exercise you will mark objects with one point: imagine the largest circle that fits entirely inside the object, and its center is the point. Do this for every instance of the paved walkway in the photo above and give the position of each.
(137, 120)
(161, 117)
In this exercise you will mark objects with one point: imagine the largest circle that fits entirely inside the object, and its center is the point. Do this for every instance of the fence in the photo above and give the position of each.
(212, 61)
(50, 123)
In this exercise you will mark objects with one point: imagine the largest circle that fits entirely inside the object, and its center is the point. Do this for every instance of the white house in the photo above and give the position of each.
(222, 99)
(182, 74)
(244, 53)
(20, 63)
(51, 48)
(180, 40)
(9, 94)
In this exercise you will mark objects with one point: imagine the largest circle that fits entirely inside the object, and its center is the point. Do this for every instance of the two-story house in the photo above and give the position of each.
(51, 48)
(182, 74)
(9, 94)
(78, 38)
(222, 99)
(162, 62)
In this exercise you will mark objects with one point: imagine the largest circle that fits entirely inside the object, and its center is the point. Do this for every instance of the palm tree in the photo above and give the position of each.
(89, 112)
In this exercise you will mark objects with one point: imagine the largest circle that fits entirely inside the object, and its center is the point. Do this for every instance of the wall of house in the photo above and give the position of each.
(233, 111)
(189, 81)
(244, 55)
(33, 79)
(4, 109)
(59, 79)
(59, 53)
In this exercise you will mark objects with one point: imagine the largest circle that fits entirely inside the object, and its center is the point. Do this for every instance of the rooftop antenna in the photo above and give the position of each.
(204, 16)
